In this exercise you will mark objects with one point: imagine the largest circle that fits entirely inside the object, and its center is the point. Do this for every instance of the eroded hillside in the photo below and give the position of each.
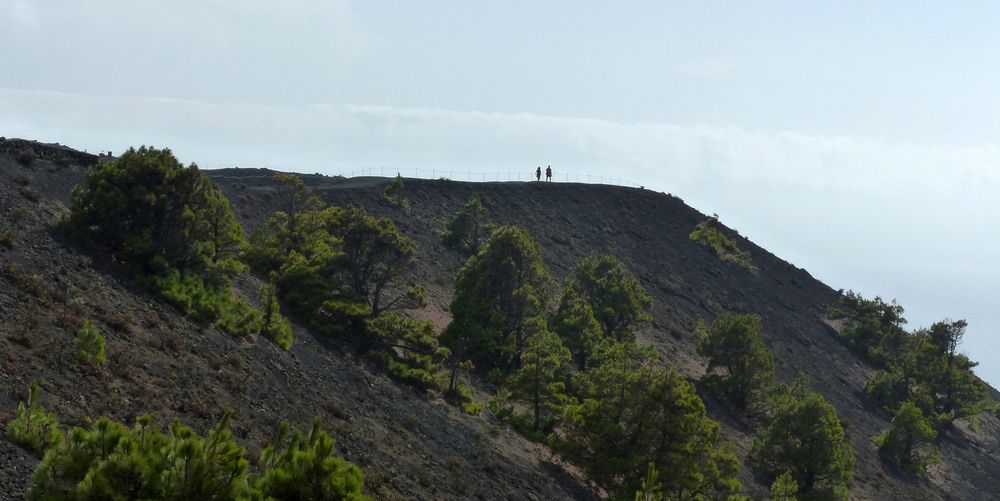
(413, 444)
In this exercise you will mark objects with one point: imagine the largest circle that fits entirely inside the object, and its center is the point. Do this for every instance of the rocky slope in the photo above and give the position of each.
(413, 445)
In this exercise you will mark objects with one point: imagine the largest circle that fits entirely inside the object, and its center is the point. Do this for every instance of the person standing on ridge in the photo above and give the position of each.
(538, 174)
(548, 173)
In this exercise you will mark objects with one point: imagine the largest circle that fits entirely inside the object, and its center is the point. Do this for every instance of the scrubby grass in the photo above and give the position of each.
(27, 157)
(709, 235)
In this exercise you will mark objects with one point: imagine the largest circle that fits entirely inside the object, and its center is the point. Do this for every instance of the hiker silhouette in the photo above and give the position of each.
(548, 173)
(538, 174)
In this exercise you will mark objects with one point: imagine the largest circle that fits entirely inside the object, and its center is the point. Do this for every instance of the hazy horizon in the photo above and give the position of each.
(856, 142)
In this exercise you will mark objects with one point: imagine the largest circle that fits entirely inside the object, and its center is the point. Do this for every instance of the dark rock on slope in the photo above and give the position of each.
(413, 445)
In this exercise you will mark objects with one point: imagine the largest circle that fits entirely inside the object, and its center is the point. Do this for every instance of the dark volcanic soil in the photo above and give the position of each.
(412, 444)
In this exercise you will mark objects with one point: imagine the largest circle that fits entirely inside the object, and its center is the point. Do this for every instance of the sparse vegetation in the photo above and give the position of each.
(708, 234)
(573, 376)
(7, 240)
(27, 157)
(834, 313)
(922, 367)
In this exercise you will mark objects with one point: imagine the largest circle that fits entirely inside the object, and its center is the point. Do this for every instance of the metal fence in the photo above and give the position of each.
(486, 176)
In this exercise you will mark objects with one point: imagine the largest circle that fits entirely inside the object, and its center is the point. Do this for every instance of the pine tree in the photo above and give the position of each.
(295, 199)
(375, 258)
(733, 343)
(630, 415)
(496, 293)
(575, 323)
(410, 348)
(149, 212)
(908, 440)
(168, 226)
(467, 229)
(540, 381)
(617, 298)
(955, 389)
(806, 439)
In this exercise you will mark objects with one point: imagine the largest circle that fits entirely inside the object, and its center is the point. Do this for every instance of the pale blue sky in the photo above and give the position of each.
(857, 140)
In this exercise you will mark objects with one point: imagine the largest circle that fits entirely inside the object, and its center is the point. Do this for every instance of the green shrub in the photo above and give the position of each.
(709, 235)
(90, 345)
(238, 317)
(833, 313)
(34, 427)
(110, 461)
(191, 294)
(306, 468)
(784, 488)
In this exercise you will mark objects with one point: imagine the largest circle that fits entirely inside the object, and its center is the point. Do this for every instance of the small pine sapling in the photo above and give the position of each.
(306, 468)
(90, 345)
(34, 427)
(275, 327)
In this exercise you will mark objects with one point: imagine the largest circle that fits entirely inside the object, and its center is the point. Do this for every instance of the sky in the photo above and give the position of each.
(857, 140)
